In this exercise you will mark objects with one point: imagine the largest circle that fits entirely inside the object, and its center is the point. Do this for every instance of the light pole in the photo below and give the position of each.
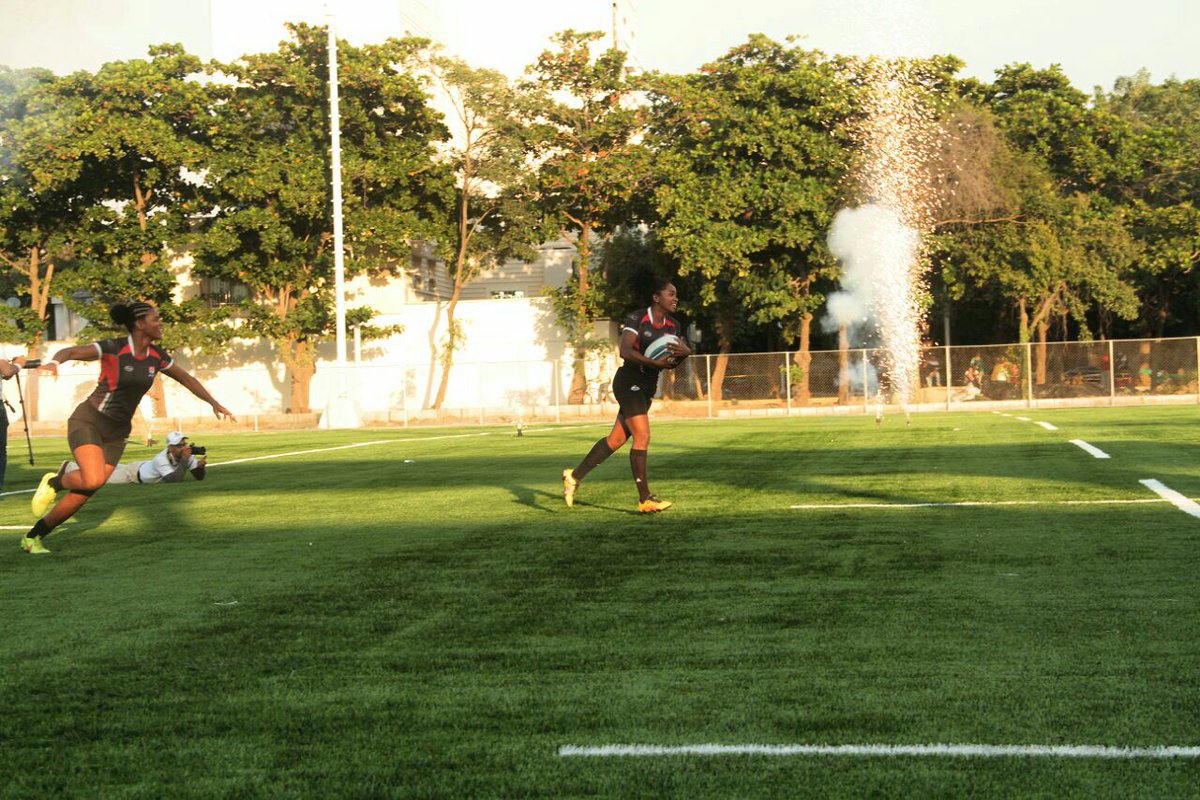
(335, 138)
(340, 408)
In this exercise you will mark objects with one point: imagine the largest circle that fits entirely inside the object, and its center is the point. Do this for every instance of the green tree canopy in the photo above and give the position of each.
(750, 155)
(268, 204)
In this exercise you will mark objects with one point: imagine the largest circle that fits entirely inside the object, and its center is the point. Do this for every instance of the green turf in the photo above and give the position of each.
(425, 619)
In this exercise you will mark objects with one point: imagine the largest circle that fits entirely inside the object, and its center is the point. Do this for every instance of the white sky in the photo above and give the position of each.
(1095, 40)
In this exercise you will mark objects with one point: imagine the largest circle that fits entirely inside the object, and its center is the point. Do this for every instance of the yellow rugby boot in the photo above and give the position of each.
(43, 498)
(33, 545)
(569, 486)
(653, 505)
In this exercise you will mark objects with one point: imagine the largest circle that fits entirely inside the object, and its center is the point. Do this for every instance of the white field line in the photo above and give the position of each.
(1024, 419)
(973, 503)
(1047, 426)
(526, 432)
(1095, 452)
(1173, 497)
(954, 750)
(347, 447)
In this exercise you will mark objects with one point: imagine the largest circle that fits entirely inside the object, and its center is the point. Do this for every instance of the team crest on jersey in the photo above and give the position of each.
(151, 372)
(128, 368)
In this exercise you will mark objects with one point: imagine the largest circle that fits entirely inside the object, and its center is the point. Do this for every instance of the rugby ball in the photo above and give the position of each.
(659, 347)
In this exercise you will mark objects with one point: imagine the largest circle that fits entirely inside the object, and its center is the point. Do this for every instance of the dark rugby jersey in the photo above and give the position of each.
(124, 377)
(641, 323)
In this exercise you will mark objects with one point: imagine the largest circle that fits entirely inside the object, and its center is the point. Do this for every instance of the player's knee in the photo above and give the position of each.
(88, 485)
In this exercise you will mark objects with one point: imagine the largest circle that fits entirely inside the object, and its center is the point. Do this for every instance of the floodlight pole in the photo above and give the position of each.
(340, 410)
(335, 136)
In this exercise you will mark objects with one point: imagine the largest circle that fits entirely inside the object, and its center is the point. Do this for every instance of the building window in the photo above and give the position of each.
(507, 294)
(223, 292)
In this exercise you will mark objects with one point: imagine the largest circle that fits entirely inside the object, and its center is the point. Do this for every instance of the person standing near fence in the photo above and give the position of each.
(100, 425)
(7, 370)
(633, 386)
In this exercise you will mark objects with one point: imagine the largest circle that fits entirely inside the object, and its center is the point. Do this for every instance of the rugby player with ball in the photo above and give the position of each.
(651, 341)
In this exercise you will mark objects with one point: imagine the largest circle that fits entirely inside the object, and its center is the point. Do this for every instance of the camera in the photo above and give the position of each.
(197, 450)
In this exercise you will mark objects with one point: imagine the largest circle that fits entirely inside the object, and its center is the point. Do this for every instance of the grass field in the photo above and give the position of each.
(421, 617)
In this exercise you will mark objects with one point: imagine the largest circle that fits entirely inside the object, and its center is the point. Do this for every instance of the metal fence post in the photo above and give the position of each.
(949, 378)
(555, 380)
(787, 379)
(1112, 376)
(1029, 374)
(404, 392)
(708, 382)
(479, 389)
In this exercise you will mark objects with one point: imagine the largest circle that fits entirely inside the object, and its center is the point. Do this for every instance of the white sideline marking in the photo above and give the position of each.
(956, 750)
(1047, 426)
(328, 449)
(1025, 419)
(527, 432)
(349, 446)
(1171, 496)
(1095, 451)
(970, 503)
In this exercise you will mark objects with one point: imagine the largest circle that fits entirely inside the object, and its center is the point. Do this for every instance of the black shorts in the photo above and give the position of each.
(634, 391)
(86, 425)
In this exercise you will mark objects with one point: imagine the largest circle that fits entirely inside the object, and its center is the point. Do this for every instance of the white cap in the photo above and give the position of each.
(175, 437)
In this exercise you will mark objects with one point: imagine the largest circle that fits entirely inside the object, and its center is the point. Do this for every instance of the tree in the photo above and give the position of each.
(36, 212)
(1164, 197)
(1066, 247)
(109, 154)
(750, 153)
(1065, 254)
(493, 218)
(270, 227)
(592, 171)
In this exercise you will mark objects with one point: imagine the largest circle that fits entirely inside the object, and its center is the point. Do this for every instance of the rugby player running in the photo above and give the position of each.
(634, 385)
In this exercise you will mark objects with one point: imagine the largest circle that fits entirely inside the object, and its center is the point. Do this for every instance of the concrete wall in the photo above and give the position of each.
(508, 360)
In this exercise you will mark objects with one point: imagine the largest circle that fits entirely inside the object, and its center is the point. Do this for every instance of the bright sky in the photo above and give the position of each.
(1095, 40)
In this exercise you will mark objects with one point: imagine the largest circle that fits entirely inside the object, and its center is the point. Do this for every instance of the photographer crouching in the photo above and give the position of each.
(170, 465)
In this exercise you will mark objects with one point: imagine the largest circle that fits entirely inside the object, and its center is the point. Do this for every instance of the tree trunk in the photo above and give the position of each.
(158, 408)
(461, 276)
(298, 358)
(452, 343)
(39, 299)
(843, 365)
(579, 376)
(803, 361)
(1043, 329)
(724, 325)
(141, 201)
(1145, 374)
